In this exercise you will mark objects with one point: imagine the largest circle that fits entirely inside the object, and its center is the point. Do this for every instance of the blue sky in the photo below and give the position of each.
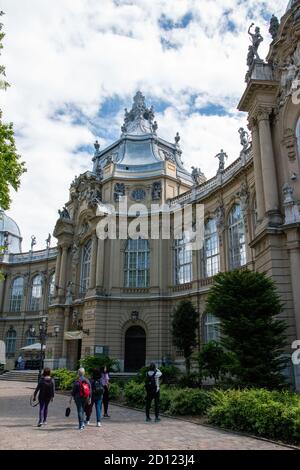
(75, 67)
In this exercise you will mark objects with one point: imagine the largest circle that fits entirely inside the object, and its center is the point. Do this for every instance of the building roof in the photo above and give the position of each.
(139, 149)
(7, 224)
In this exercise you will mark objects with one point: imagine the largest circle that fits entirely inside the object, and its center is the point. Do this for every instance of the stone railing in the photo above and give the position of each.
(181, 287)
(31, 256)
(205, 188)
(135, 290)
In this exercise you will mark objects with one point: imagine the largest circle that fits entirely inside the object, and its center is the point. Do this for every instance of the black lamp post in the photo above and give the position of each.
(43, 334)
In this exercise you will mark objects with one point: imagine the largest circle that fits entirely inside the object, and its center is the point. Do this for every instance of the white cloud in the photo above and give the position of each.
(81, 52)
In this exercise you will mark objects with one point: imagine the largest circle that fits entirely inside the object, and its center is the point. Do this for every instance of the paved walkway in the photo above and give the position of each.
(125, 430)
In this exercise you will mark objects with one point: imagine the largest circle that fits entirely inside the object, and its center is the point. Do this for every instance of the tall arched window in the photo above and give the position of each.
(16, 296)
(183, 261)
(237, 239)
(211, 249)
(36, 293)
(30, 339)
(211, 328)
(10, 341)
(298, 136)
(51, 291)
(85, 267)
(137, 262)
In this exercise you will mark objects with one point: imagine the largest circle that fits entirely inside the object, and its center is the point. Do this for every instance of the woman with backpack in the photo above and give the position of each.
(152, 389)
(81, 392)
(46, 390)
(97, 397)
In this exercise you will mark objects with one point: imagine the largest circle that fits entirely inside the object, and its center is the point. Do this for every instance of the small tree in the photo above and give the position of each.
(212, 360)
(184, 330)
(247, 304)
(11, 169)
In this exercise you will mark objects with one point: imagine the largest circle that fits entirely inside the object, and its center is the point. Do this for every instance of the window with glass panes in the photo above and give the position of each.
(137, 260)
(36, 293)
(183, 261)
(30, 339)
(211, 249)
(211, 328)
(16, 295)
(51, 292)
(237, 239)
(10, 341)
(85, 267)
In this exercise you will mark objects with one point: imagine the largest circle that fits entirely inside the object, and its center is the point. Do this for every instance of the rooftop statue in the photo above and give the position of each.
(197, 175)
(64, 214)
(274, 27)
(221, 156)
(245, 139)
(48, 241)
(256, 39)
(97, 146)
(177, 138)
(33, 241)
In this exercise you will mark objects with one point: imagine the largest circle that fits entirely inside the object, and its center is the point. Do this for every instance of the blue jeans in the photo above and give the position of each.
(80, 403)
(98, 406)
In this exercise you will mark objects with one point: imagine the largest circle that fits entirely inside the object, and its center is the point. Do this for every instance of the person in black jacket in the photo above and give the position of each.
(46, 391)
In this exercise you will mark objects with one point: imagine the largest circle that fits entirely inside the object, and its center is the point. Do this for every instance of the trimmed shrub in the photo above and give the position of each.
(189, 402)
(94, 362)
(64, 377)
(258, 411)
(170, 374)
(135, 394)
(114, 391)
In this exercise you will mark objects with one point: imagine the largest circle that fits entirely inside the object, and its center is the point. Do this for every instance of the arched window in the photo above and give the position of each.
(211, 328)
(51, 291)
(30, 339)
(16, 295)
(85, 267)
(10, 341)
(211, 249)
(36, 293)
(183, 261)
(237, 239)
(137, 261)
(298, 136)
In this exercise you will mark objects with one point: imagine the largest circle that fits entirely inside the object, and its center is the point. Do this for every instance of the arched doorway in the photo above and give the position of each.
(135, 349)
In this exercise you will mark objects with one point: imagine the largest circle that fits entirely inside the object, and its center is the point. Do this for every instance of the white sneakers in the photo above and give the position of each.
(99, 425)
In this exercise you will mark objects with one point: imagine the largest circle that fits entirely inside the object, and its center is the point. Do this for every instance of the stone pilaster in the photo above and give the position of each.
(270, 184)
(63, 270)
(100, 263)
(260, 198)
(93, 262)
(57, 270)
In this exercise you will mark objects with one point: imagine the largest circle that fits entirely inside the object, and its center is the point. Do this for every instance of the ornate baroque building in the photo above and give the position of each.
(117, 296)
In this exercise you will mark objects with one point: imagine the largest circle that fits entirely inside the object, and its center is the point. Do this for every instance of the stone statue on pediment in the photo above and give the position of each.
(64, 214)
(221, 156)
(256, 39)
(245, 139)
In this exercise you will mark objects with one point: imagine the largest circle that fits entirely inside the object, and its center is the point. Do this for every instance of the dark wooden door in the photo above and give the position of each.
(135, 349)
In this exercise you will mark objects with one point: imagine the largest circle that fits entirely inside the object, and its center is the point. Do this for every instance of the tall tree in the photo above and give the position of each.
(11, 168)
(247, 304)
(184, 330)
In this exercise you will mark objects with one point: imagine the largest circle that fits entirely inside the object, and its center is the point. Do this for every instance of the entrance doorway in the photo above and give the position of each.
(135, 349)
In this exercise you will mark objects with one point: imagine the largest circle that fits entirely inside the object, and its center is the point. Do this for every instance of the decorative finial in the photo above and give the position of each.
(139, 120)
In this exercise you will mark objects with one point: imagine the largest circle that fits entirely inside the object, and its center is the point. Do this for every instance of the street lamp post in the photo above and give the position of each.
(43, 335)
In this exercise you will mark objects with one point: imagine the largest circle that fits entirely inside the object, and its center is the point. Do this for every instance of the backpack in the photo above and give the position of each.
(84, 389)
(150, 385)
(98, 389)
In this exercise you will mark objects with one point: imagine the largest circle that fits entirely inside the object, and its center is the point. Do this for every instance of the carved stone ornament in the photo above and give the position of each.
(138, 194)
(244, 197)
(220, 216)
(290, 143)
(119, 191)
(93, 198)
(291, 208)
(64, 214)
(156, 191)
(274, 27)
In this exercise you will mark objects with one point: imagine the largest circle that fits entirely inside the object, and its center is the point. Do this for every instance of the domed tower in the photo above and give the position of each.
(10, 235)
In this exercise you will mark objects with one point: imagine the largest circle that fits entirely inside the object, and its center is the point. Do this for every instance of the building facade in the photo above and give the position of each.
(116, 295)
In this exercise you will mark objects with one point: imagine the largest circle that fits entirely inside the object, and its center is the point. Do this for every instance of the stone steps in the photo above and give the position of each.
(20, 376)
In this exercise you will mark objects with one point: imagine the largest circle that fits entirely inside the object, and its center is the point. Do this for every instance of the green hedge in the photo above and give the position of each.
(65, 378)
(269, 414)
(115, 391)
(172, 401)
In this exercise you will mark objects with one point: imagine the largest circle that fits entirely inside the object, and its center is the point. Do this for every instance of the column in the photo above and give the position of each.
(100, 263)
(57, 270)
(63, 269)
(268, 167)
(2, 290)
(66, 326)
(93, 262)
(260, 199)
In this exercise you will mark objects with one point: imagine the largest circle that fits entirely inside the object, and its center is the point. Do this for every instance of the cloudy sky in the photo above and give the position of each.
(73, 66)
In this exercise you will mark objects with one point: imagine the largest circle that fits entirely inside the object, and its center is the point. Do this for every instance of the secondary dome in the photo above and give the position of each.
(10, 235)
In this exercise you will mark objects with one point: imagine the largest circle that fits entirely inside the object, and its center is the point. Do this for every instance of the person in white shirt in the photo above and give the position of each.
(152, 388)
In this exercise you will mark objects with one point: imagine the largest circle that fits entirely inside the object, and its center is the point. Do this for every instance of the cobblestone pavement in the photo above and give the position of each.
(125, 430)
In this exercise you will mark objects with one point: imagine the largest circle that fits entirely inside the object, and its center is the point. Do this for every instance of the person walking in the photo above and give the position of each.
(81, 393)
(46, 391)
(97, 395)
(105, 383)
(153, 393)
